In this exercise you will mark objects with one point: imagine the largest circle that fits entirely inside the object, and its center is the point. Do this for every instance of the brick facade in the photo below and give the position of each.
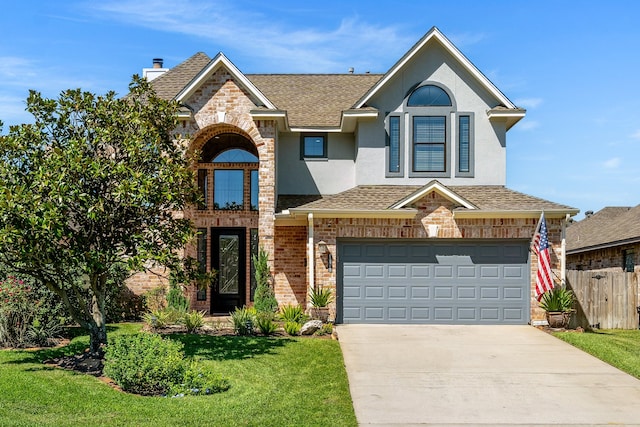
(608, 259)
(434, 209)
(223, 107)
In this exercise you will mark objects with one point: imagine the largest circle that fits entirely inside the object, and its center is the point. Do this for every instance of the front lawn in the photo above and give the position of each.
(274, 381)
(619, 348)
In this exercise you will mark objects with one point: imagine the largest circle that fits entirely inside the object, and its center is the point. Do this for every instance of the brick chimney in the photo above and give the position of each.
(156, 71)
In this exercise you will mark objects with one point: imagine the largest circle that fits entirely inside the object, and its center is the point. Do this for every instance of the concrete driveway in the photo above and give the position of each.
(480, 375)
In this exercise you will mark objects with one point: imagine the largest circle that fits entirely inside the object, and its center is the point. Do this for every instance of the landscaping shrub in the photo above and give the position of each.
(264, 298)
(156, 299)
(159, 319)
(149, 365)
(243, 320)
(176, 298)
(30, 315)
(121, 303)
(265, 323)
(193, 320)
(292, 328)
(292, 313)
(145, 363)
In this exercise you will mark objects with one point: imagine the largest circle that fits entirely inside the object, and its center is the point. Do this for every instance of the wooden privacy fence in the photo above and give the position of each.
(608, 300)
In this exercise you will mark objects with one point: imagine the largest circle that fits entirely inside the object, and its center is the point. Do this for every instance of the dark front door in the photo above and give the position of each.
(229, 258)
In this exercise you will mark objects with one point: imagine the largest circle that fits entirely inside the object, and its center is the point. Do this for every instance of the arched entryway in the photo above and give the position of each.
(227, 219)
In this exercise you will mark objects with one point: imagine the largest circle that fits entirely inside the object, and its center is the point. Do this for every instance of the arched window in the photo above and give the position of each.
(235, 155)
(429, 96)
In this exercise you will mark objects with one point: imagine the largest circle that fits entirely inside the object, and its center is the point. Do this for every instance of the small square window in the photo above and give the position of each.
(629, 261)
(314, 146)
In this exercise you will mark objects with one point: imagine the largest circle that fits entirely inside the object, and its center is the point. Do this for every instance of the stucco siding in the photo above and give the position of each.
(469, 97)
(316, 176)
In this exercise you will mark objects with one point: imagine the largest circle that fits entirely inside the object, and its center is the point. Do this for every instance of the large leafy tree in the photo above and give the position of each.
(96, 182)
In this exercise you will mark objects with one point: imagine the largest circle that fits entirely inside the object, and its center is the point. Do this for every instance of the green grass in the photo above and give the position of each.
(619, 348)
(274, 382)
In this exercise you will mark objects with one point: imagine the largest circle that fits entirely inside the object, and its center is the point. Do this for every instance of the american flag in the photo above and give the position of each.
(544, 282)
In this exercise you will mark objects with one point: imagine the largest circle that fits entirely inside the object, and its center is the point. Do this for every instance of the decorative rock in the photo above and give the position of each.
(310, 327)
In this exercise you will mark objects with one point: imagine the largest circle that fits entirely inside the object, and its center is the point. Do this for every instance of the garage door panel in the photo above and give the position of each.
(420, 292)
(374, 292)
(374, 313)
(467, 314)
(398, 270)
(466, 292)
(433, 282)
(396, 292)
(443, 271)
(489, 292)
(398, 313)
(513, 293)
(420, 271)
(373, 271)
(443, 314)
(352, 270)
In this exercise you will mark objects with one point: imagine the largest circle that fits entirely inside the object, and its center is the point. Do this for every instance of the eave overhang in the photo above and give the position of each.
(279, 116)
(534, 213)
(298, 216)
(510, 116)
(607, 245)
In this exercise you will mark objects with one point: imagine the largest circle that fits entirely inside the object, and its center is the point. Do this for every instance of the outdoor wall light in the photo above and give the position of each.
(323, 249)
(433, 230)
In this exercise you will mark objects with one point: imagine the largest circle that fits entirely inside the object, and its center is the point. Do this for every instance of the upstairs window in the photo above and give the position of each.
(429, 143)
(394, 146)
(313, 146)
(465, 145)
(228, 191)
(203, 189)
(429, 96)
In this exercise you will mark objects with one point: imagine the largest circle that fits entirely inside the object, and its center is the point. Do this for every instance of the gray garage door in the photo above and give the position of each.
(447, 282)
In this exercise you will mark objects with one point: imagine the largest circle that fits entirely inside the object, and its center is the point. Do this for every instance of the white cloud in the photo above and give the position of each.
(636, 134)
(528, 102)
(351, 43)
(466, 39)
(527, 125)
(612, 163)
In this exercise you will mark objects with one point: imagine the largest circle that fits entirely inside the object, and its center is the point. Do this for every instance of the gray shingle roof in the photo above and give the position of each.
(169, 84)
(609, 226)
(311, 100)
(381, 197)
(314, 100)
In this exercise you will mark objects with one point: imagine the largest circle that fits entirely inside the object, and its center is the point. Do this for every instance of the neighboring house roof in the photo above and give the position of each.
(611, 226)
(472, 200)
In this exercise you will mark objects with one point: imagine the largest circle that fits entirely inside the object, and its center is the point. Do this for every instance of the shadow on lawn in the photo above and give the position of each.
(229, 347)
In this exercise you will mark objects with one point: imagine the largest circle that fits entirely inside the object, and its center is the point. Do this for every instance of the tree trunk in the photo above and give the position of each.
(98, 326)
(97, 337)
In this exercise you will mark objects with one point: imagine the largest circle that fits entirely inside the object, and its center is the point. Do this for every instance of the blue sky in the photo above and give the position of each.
(574, 66)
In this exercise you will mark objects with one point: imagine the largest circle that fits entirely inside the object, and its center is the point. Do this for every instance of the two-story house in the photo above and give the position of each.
(387, 188)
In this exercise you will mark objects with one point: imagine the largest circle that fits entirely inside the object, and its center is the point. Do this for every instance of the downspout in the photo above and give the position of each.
(563, 253)
(310, 257)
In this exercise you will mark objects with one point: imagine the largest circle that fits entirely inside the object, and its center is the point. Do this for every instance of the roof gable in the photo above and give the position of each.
(435, 34)
(220, 60)
(433, 186)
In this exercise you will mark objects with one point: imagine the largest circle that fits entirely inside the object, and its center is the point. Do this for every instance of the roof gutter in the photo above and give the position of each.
(629, 241)
(535, 213)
